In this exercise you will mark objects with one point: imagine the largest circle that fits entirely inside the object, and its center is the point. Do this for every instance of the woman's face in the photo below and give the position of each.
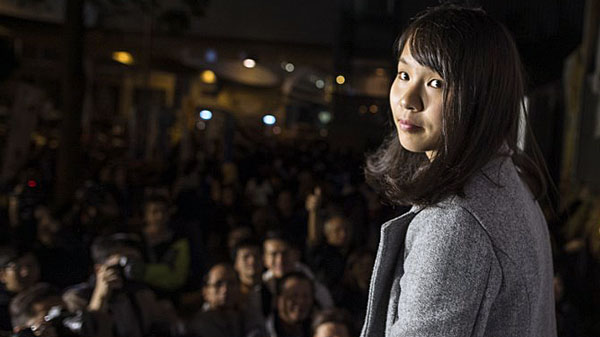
(416, 98)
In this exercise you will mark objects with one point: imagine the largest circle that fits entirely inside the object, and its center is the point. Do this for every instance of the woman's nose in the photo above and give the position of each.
(411, 100)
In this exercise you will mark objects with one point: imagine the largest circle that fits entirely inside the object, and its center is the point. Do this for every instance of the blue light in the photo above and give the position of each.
(269, 119)
(205, 114)
(211, 56)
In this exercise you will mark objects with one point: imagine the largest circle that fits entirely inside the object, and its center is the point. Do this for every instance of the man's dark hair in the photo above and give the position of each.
(11, 253)
(336, 316)
(8, 254)
(157, 198)
(22, 306)
(275, 234)
(223, 263)
(105, 246)
(483, 97)
(293, 275)
(245, 243)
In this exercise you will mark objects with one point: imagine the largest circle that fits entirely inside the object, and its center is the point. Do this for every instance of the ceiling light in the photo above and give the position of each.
(249, 63)
(209, 77)
(269, 119)
(206, 114)
(123, 57)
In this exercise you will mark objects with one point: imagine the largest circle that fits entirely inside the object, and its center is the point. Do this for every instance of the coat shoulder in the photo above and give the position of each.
(449, 222)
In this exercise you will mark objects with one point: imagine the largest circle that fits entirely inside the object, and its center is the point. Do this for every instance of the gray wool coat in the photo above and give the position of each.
(474, 266)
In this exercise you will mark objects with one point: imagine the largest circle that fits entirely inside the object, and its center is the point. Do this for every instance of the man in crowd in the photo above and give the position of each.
(280, 258)
(168, 252)
(63, 258)
(327, 247)
(247, 262)
(40, 311)
(332, 323)
(222, 313)
(19, 270)
(294, 305)
(116, 288)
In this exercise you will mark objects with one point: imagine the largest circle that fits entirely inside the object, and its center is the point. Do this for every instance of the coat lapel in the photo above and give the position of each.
(391, 244)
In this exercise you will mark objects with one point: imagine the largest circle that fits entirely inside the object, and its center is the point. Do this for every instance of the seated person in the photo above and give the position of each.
(116, 288)
(293, 307)
(19, 270)
(222, 313)
(40, 311)
(281, 257)
(332, 323)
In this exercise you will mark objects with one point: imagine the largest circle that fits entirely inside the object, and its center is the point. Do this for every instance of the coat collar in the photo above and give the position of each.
(393, 234)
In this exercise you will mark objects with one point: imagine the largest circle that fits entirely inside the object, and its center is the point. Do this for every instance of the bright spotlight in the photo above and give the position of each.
(249, 63)
(269, 119)
(206, 114)
(340, 79)
(320, 84)
(289, 67)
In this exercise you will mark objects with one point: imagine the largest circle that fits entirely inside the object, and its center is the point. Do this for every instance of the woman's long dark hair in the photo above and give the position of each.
(483, 99)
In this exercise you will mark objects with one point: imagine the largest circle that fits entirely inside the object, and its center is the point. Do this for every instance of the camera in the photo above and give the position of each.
(23, 333)
(64, 323)
(130, 269)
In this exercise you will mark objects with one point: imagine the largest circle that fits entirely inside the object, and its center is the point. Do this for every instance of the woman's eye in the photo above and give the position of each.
(435, 84)
(403, 75)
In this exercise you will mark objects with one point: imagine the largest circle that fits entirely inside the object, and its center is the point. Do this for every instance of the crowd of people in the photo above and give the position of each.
(275, 241)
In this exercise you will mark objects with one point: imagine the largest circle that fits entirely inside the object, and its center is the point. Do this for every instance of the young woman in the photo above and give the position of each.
(472, 257)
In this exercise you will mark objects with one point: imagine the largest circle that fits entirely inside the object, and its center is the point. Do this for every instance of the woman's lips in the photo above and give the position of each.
(407, 125)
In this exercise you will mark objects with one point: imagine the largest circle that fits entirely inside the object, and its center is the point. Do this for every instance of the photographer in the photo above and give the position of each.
(19, 270)
(116, 289)
(40, 311)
